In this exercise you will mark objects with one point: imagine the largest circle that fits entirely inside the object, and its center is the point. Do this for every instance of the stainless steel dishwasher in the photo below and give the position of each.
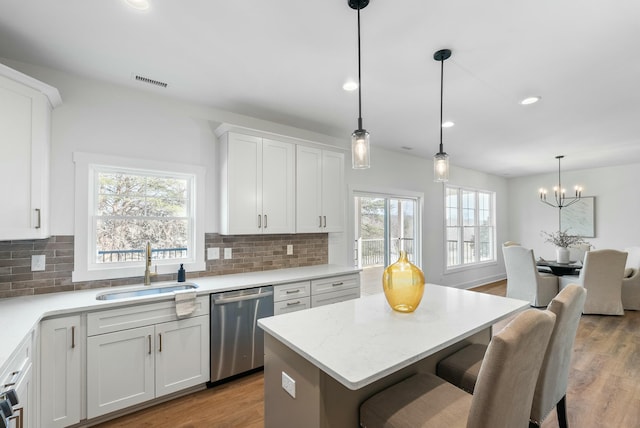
(237, 343)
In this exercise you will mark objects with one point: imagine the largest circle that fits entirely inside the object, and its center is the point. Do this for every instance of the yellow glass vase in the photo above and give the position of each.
(403, 284)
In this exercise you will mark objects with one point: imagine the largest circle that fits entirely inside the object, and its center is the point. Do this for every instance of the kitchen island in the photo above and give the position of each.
(320, 364)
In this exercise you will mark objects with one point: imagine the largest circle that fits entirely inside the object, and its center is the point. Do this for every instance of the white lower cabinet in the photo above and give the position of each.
(18, 375)
(132, 366)
(292, 297)
(334, 289)
(61, 347)
(301, 295)
(120, 370)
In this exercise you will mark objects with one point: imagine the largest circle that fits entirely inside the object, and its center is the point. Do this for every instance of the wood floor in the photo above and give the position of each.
(604, 385)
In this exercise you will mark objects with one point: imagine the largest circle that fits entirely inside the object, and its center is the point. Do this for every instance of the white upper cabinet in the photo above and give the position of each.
(319, 190)
(258, 181)
(25, 128)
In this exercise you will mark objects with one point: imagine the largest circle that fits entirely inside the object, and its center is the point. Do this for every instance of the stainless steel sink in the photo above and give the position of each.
(146, 291)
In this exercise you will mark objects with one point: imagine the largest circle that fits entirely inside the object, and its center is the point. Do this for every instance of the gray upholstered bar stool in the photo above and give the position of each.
(462, 368)
(504, 390)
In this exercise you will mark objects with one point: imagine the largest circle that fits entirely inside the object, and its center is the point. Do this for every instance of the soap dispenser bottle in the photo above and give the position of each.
(181, 273)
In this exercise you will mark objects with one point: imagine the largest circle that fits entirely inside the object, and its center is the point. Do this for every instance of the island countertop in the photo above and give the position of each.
(360, 341)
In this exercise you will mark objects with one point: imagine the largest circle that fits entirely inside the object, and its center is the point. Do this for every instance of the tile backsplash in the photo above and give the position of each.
(250, 253)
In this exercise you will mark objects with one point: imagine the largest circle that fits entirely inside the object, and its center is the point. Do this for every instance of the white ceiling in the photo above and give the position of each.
(285, 61)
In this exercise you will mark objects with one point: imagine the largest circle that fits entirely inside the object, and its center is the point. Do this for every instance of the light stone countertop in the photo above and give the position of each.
(360, 341)
(19, 315)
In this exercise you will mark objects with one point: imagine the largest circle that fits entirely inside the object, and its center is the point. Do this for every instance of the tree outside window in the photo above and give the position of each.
(133, 208)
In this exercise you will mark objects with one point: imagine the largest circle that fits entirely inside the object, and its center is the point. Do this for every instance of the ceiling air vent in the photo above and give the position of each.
(149, 81)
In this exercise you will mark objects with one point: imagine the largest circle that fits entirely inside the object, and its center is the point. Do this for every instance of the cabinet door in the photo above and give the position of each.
(120, 370)
(182, 354)
(308, 190)
(278, 180)
(25, 390)
(24, 164)
(60, 369)
(332, 191)
(241, 185)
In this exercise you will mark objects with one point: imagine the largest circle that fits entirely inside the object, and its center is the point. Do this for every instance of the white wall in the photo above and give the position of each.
(617, 204)
(98, 117)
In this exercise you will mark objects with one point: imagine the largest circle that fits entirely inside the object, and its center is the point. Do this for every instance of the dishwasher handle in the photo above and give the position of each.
(225, 300)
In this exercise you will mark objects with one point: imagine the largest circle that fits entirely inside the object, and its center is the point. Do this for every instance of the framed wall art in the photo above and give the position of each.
(578, 219)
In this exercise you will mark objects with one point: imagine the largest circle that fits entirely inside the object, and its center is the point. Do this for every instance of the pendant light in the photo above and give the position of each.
(360, 137)
(441, 159)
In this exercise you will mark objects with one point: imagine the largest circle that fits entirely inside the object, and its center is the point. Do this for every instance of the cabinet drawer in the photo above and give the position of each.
(328, 285)
(17, 364)
(139, 316)
(291, 305)
(335, 297)
(291, 291)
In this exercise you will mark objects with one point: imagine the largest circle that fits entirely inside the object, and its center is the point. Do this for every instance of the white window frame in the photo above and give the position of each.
(86, 165)
(376, 192)
(463, 266)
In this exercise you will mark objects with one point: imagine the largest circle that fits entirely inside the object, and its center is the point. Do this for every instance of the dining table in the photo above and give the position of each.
(559, 269)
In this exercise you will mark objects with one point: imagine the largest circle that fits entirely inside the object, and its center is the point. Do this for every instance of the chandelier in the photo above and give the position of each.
(560, 197)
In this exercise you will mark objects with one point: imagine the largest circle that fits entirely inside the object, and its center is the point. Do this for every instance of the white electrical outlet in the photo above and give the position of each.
(289, 385)
(289, 250)
(38, 262)
(213, 253)
(227, 253)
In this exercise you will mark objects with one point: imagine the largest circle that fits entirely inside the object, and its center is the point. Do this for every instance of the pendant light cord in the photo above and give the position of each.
(441, 98)
(359, 76)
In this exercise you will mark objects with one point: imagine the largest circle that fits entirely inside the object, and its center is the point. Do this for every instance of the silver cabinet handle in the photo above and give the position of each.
(39, 218)
(265, 221)
(73, 336)
(160, 348)
(292, 291)
(297, 302)
(325, 220)
(319, 221)
(335, 284)
(259, 221)
(13, 379)
(149, 344)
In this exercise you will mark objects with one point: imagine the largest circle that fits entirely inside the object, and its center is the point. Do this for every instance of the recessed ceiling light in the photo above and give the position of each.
(530, 100)
(447, 124)
(138, 4)
(350, 86)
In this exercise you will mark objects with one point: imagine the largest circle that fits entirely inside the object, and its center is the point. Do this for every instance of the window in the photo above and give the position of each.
(470, 226)
(121, 204)
(384, 226)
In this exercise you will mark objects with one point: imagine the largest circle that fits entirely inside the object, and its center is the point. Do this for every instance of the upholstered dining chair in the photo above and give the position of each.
(523, 279)
(462, 368)
(631, 280)
(503, 394)
(601, 275)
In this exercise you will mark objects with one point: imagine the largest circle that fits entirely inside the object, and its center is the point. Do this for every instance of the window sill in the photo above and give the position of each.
(474, 266)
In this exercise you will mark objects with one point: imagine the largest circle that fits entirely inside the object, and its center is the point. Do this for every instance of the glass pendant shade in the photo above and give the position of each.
(441, 167)
(403, 284)
(360, 149)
